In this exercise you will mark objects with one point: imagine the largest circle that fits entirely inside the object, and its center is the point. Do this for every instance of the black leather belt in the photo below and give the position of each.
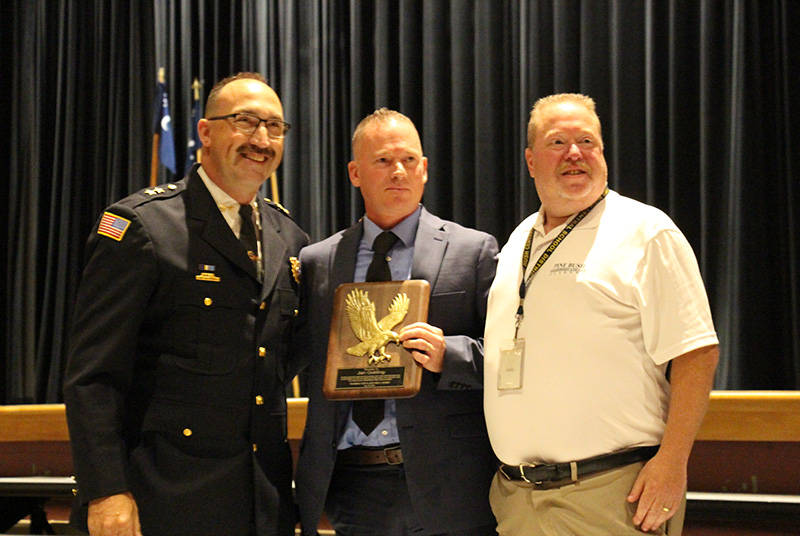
(391, 455)
(551, 472)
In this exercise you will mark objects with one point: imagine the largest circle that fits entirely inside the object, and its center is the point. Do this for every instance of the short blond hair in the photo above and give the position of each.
(551, 100)
(382, 116)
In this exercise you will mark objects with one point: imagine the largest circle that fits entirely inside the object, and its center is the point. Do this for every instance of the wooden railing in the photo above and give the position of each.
(48, 423)
(752, 416)
(732, 416)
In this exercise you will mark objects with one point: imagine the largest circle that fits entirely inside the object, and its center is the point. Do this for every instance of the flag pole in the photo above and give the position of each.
(273, 180)
(156, 139)
(196, 85)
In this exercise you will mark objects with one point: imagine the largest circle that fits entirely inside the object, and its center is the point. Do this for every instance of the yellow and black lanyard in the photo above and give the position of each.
(526, 257)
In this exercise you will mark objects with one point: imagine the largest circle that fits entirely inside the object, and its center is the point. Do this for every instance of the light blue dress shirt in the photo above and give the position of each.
(401, 257)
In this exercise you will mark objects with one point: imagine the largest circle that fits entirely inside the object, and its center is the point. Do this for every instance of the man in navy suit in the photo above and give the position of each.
(426, 467)
(177, 369)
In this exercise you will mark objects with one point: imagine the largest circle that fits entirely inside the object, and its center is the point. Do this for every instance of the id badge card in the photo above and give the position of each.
(512, 355)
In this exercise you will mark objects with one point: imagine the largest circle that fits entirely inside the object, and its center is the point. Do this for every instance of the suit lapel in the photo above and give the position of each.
(342, 267)
(429, 248)
(343, 257)
(214, 229)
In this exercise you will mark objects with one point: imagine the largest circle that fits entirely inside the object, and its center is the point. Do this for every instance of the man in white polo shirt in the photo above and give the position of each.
(600, 350)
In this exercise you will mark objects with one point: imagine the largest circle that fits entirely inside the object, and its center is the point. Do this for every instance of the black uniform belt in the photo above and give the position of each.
(551, 472)
(391, 455)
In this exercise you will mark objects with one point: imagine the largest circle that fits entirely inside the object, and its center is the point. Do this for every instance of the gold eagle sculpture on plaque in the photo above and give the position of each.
(374, 335)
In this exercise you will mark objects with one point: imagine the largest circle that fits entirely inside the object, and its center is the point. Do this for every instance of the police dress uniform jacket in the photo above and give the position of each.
(448, 461)
(175, 384)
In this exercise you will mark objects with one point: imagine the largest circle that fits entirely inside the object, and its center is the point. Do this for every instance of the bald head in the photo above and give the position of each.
(213, 102)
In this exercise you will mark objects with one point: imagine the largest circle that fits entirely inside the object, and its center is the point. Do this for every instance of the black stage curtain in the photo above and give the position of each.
(696, 97)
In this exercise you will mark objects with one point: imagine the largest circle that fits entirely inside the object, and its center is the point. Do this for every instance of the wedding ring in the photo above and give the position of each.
(665, 509)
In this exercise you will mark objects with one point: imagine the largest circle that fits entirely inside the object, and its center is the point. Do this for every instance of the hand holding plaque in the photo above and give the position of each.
(365, 357)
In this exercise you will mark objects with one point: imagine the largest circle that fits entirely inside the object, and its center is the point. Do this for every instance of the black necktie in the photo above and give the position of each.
(247, 234)
(379, 267)
(368, 414)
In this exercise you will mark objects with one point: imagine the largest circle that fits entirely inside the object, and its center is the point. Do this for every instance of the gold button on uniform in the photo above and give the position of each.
(187, 432)
(208, 301)
(259, 400)
(262, 351)
(263, 305)
(255, 447)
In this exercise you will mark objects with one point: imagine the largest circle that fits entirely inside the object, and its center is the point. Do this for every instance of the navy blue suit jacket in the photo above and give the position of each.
(448, 460)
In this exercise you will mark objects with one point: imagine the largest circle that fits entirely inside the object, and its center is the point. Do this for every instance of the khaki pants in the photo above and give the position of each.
(594, 505)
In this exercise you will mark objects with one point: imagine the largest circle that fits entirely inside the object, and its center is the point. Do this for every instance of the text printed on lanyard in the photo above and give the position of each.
(526, 257)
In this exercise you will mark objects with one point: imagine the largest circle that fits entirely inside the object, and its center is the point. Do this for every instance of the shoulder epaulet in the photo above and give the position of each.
(156, 192)
(276, 205)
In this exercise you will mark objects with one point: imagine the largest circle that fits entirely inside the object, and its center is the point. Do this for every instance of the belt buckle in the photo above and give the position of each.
(521, 467)
(522, 472)
(386, 454)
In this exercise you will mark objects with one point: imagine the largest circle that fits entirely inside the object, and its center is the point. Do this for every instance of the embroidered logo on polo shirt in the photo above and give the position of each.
(562, 268)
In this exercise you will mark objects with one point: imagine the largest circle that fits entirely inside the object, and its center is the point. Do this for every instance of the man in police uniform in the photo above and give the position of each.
(176, 375)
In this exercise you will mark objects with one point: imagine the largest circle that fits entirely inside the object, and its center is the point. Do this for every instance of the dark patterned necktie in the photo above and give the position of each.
(368, 414)
(247, 234)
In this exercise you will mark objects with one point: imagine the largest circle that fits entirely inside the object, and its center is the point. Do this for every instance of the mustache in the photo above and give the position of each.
(267, 151)
(564, 167)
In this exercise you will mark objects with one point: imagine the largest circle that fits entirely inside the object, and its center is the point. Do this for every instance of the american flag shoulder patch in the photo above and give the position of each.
(113, 226)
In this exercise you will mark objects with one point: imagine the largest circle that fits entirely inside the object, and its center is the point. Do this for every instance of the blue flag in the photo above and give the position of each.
(193, 145)
(162, 124)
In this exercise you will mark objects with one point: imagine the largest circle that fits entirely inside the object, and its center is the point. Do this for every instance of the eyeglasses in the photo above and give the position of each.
(248, 124)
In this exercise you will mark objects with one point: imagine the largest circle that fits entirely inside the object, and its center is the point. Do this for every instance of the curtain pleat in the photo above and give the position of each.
(698, 101)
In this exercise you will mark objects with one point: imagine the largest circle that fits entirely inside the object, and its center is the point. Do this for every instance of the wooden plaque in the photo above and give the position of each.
(364, 358)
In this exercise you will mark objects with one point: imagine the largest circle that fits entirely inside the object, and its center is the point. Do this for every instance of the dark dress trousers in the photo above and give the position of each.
(448, 461)
(177, 367)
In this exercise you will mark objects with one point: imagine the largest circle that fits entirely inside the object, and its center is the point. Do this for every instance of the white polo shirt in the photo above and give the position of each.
(619, 298)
